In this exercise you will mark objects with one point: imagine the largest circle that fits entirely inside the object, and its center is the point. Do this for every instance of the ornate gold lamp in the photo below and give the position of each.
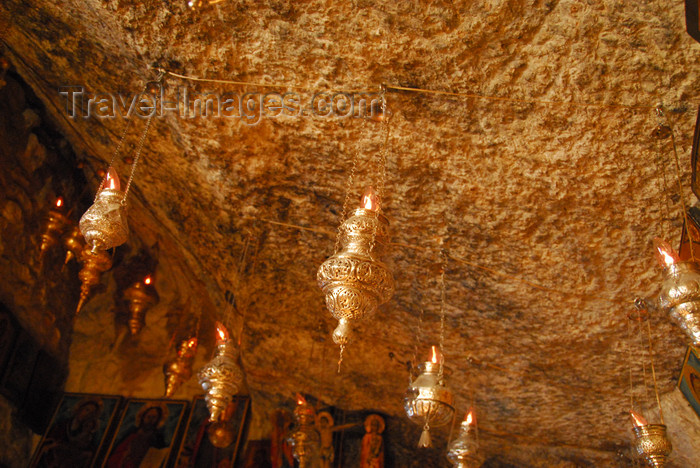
(54, 225)
(74, 243)
(462, 452)
(140, 297)
(95, 262)
(104, 224)
(221, 378)
(428, 401)
(179, 370)
(650, 444)
(304, 439)
(354, 280)
(680, 290)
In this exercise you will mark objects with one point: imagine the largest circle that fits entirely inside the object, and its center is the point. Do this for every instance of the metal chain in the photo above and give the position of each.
(653, 372)
(629, 360)
(644, 364)
(139, 147)
(382, 172)
(419, 339)
(346, 202)
(682, 199)
(442, 314)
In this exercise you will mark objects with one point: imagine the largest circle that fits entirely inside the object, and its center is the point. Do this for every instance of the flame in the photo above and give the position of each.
(637, 419)
(665, 253)
(222, 333)
(148, 280)
(668, 259)
(111, 180)
(300, 399)
(434, 358)
(469, 418)
(192, 342)
(59, 202)
(370, 199)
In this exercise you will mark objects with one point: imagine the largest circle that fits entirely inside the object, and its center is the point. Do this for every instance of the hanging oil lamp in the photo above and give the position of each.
(104, 224)
(428, 401)
(221, 378)
(354, 280)
(140, 297)
(179, 370)
(95, 262)
(680, 290)
(74, 244)
(462, 452)
(54, 225)
(651, 444)
(304, 439)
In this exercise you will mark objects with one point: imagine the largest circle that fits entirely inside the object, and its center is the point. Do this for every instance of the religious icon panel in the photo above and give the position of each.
(77, 431)
(689, 382)
(146, 433)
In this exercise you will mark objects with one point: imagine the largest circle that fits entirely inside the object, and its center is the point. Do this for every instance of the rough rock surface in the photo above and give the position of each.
(546, 209)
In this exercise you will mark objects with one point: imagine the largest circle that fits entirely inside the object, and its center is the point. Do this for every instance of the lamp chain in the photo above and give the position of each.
(663, 122)
(139, 147)
(442, 313)
(348, 189)
(382, 170)
(653, 372)
(642, 349)
(629, 360)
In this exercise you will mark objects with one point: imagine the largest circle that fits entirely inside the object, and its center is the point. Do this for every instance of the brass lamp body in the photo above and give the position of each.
(54, 225)
(462, 452)
(305, 439)
(428, 401)
(651, 444)
(74, 242)
(139, 300)
(680, 296)
(94, 264)
(104, 224)
(179, 370)
(354, 280)
(221, 378)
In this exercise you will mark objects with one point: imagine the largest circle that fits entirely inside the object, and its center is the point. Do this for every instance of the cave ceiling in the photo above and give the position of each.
(546, 203)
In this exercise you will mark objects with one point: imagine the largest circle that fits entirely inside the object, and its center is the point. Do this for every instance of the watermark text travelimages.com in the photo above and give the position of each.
(250, 108)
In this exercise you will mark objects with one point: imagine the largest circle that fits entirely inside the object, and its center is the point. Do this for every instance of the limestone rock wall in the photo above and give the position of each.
(546, 203)
(37, 166)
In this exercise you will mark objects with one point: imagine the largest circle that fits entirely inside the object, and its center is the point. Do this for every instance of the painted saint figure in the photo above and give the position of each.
(372, 453)
(325, 427)
(133, 447)
(71, 442)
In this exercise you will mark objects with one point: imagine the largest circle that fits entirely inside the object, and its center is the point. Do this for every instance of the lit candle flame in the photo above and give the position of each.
(665, 254)
(59, 202)
(434, 357)
(300, 399)
(637, 419)
(222, 333)
(370, 200)
(111, 180)
(469, 418)
(148, 280)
